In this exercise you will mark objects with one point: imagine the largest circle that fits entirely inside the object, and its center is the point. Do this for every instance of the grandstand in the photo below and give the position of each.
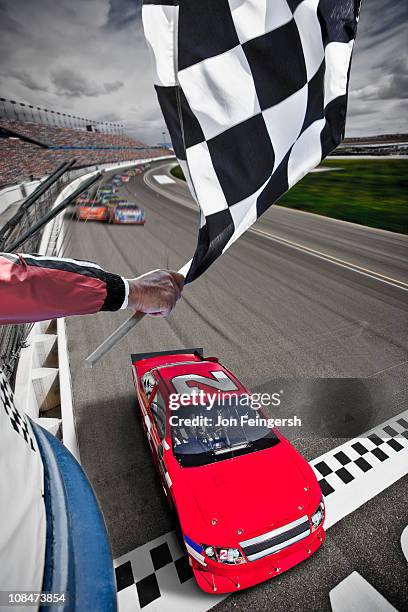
(381, 144)
(52, 136)
(32, 149)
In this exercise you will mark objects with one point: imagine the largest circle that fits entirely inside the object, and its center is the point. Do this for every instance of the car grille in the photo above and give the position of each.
(273, 541)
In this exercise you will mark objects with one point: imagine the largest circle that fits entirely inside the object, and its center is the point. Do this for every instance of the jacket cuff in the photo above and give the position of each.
(117, 291)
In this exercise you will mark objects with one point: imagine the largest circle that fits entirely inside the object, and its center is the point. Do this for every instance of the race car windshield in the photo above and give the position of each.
(202, 436)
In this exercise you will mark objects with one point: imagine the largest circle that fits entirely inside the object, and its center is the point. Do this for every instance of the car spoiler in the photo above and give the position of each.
(140, 356)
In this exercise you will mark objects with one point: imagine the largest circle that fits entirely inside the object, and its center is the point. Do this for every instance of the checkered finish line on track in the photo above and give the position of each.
(156, 577)
(359, 469)
(254, 94)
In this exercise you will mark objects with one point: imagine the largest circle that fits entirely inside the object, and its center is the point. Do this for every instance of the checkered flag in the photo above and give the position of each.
(18, 419)
(254, 95)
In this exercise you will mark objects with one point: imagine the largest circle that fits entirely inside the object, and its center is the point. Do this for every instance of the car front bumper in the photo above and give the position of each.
(90, 217)
(128, 222)
(220, 578)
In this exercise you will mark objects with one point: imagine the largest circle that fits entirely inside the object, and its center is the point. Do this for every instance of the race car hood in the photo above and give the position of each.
(94, 210)
(252, 493)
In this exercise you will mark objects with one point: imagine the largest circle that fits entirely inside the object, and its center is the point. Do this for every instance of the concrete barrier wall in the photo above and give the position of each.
(14, 193)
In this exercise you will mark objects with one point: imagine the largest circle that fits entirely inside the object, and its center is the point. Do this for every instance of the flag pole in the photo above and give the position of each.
(113, 339)
(119, 333)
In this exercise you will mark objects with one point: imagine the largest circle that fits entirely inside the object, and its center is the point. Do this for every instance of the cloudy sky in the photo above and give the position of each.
(89, 58)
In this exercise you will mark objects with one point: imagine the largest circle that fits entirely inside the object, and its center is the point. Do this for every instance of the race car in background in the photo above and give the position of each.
(106, 190)
(91, 210)
(124, 212)
(248, 504)
(105, 198)
(139, 169)
(125, 178)
(105, 193)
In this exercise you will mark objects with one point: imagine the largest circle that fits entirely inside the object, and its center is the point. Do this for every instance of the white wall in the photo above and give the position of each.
(12, 194)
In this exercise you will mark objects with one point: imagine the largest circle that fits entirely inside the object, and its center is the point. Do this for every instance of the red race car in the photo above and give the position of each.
(249, 505)
(91, 210)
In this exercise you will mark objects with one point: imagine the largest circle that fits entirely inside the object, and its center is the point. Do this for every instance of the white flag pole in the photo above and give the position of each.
(114, 338)
(122, 330)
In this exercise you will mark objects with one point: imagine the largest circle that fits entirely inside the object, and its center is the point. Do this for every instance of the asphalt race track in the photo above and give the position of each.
(306, 305)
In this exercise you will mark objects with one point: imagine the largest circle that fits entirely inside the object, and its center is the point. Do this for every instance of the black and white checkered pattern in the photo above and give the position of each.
(359, 456)
(158, 572)
(254, 94)
(148, 587)
(17, 419)
(157, 576)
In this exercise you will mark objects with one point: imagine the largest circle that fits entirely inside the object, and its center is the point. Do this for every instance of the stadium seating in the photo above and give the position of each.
(21, 160)
(66, 137)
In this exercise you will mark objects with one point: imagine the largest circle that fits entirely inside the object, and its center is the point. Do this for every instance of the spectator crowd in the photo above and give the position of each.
(33, 150)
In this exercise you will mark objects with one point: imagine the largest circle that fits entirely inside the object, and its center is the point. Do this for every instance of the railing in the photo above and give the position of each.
(24, 233)
(32, 209)
(25, 228)
(21, 111)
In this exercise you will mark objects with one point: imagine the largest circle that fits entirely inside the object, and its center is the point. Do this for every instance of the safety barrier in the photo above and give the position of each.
(43, 381)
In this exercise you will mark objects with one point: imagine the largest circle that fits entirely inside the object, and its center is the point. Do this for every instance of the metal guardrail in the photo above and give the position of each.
(32, 209)
(24, 231)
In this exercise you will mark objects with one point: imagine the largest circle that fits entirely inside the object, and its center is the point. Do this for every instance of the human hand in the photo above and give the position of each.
(156, 292)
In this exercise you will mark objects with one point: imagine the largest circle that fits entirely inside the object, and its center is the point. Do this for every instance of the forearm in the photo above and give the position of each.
(35, 288)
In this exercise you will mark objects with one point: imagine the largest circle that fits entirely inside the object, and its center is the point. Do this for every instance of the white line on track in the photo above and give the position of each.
(335, 260)
(393, 282)
(169, 588)
(404, 542)
(355, 594)
(163, 179)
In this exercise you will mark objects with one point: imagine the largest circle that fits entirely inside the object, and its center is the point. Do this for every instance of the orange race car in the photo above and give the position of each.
(91, 210)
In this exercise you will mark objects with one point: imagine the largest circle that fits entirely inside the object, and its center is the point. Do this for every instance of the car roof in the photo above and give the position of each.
(203, 369)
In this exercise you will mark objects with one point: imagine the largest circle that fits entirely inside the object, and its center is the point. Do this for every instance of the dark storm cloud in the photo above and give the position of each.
(123, 13)
(7, 23)
(378, 84)
(379, 18)
(86, 57)
(396, 79)
(26, 79)
(390, 82)
(89, 57)
(71, 84)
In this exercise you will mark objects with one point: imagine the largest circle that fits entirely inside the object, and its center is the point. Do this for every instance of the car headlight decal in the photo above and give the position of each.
(224, 554)
(318, 515)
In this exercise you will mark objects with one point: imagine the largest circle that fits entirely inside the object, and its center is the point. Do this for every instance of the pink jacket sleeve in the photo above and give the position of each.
(36, 288)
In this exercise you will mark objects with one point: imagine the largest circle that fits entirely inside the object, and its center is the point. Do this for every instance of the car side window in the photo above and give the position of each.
(148, 384)
(158, 408)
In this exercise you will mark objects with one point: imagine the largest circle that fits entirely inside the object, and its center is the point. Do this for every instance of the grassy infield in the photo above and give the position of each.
(368, 191)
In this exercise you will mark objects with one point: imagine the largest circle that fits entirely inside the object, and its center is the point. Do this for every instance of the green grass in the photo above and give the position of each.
(367, 191)
(370, 192)
(177, 172)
